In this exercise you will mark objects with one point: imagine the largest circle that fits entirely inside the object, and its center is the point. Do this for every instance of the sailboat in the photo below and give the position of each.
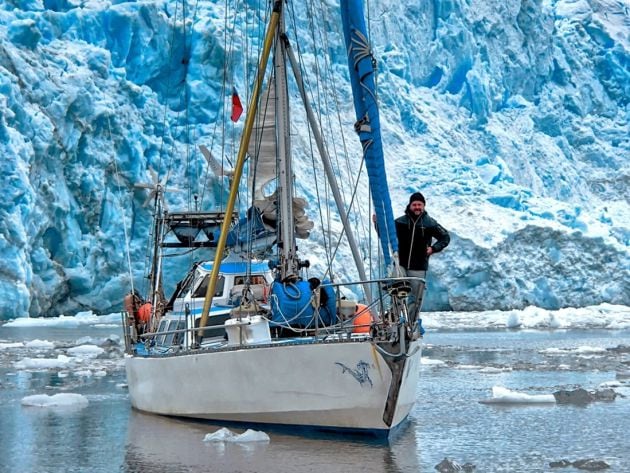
(250, 339)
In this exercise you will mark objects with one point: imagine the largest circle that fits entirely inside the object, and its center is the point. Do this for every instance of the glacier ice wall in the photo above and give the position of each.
(510, 116)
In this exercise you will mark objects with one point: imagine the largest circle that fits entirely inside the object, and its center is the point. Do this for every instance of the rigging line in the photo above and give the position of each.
(228, 46)
(324, 93)
(323, 33)
(221, 111)
(370, 240)
(250, 170)
(332, 91)
(259, 126)
(219, 118)
(230, 70)
(354, 192)
(187, 40)
(369, 33)
(247, 232)
(168, 88)
(195, 174)
(122, 209)
(327, 239)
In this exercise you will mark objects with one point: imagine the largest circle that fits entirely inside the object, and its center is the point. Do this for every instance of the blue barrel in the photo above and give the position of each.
(291, 304)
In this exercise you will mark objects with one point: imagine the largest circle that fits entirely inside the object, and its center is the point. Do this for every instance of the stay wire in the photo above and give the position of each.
(121, 208)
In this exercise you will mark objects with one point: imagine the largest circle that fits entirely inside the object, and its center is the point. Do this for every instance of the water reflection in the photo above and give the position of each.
(162, 444)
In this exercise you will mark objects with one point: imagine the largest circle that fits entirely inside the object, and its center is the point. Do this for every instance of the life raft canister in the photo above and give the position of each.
(144, 312)
(362, 319)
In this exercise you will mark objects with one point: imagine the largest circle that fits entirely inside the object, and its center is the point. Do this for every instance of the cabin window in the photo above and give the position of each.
(259, 279)
(203, 287)
(178, 339)
(172, 338)
(253, 279)
(161, 328)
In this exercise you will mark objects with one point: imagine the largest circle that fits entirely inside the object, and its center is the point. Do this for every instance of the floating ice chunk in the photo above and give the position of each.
(587, 349)
(85, 351)
(430, 361)
(100, 374)
(40, 344)
(501, 395)
(61, 321)
(5, 346)
(553, 351)
(250, 436)
(494, 370)
(226, 435)
(83, 373)
(57, 400)
(64, 321)
(582, 350)
(61, 361)
(220, 435)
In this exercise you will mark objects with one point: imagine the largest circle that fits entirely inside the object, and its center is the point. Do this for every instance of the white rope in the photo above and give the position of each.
(122, 211)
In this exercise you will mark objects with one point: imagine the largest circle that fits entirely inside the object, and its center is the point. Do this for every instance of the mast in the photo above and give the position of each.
(155, 276)
(240, 162)
(286, 244)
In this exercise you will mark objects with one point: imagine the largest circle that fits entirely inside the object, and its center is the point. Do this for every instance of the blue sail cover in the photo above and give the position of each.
(368, 121)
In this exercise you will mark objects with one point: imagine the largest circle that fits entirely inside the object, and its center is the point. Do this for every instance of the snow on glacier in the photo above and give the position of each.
(511, 117)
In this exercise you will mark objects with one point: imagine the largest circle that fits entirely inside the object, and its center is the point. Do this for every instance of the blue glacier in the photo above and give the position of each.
(512, 117)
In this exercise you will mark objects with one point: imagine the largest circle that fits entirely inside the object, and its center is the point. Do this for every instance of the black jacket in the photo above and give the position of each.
(415, 235)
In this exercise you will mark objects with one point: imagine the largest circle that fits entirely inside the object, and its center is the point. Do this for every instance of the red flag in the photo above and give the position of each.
(237, 108)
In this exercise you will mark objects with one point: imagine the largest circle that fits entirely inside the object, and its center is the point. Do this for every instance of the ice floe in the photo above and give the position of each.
(430, 361)
(56, 400)
(501, 395)
(582, 350)
(602, 316)
(62, 361)
(39, 344)
(85, 351)
(82, 318)
(226, 435)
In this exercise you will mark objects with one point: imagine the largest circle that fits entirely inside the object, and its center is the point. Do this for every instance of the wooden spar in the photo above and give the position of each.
(240, 162)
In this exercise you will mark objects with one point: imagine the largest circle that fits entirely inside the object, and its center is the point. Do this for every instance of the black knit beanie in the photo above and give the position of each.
(417, 196)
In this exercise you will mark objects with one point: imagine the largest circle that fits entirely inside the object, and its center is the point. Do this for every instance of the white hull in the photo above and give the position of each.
(339, 385)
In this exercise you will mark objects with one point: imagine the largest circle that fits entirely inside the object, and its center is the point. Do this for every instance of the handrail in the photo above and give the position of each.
(193, 329)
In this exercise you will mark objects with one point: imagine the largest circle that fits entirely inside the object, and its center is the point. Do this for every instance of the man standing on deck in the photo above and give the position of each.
(416, 234)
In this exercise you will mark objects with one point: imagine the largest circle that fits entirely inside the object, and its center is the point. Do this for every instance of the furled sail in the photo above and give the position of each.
(262, 153)
(262, 146)
(360, 61)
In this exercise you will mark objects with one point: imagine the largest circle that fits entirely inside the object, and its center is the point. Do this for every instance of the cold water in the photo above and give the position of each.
(459, 370)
